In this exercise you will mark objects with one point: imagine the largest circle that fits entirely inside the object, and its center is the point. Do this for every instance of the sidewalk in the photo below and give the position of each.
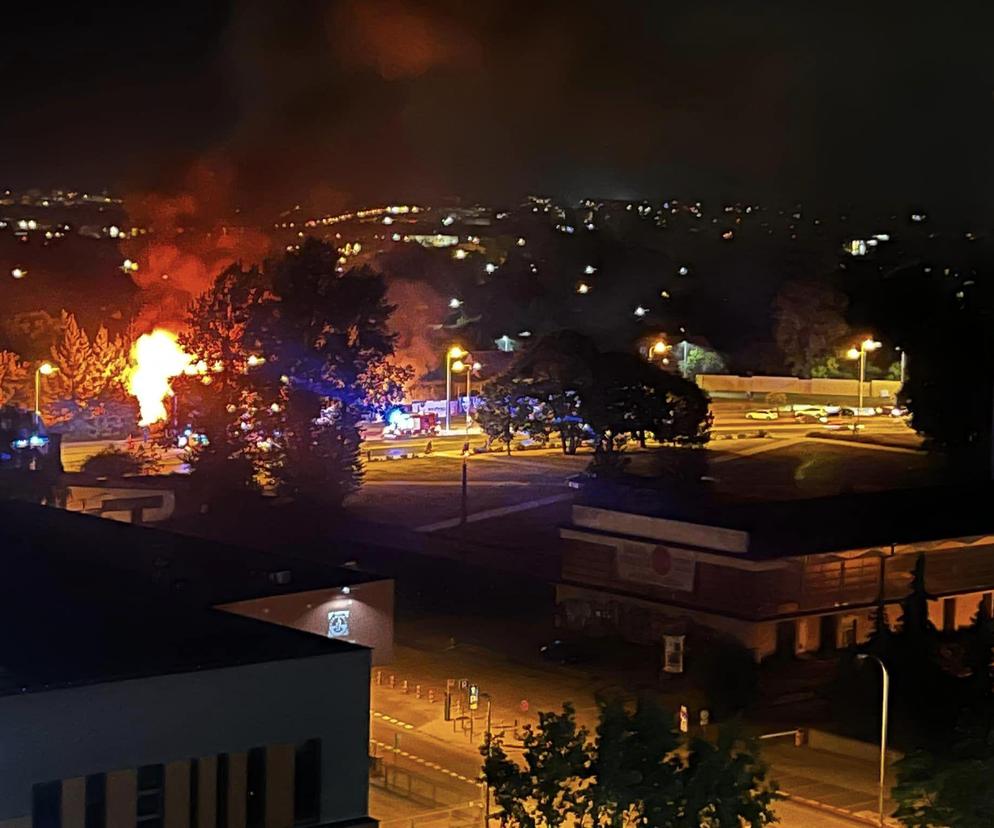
(829, 778)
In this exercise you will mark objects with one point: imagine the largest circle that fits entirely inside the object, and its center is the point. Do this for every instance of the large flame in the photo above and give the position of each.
(155, 358)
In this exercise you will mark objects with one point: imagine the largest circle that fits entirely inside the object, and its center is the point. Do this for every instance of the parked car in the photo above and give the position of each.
(763, 414)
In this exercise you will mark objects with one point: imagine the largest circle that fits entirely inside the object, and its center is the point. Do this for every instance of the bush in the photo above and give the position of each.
(115, 462)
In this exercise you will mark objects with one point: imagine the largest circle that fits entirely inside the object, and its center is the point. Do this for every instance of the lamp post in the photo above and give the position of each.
(868, 344)
(883, 732)
(469, 367)
(45, 369)
(455, 352)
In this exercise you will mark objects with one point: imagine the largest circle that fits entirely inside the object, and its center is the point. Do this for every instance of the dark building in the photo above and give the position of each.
(126, 701)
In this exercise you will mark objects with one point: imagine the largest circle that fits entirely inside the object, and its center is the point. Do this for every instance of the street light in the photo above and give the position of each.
(455, 352)
(854, 353)
(46, 369)
(469, 367)
(883, 731)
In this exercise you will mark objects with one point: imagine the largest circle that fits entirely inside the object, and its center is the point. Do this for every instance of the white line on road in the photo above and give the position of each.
(771, 445)
(486, 514)
(442, 483)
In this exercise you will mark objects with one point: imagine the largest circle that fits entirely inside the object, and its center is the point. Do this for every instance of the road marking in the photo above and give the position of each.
(440, 483)
(873, 446)
(425, 762)
(772, 445)
(486, 514)
(392, 720)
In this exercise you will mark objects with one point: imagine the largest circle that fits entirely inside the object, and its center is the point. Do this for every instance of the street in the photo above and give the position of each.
(439, 761)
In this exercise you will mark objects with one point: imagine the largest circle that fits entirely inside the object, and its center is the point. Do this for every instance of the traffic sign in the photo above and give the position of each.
(684, 719)
(474, 696)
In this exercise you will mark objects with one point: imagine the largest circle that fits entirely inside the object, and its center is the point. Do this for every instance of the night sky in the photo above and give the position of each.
(371, 100)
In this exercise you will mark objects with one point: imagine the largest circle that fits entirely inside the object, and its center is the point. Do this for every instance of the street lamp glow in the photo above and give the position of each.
(47, 369)
(869, 345)
(458, 366)
(455, 352)
(659, 347)
(853, 353)
(583, 288)
(254, 360)
(18, 273)
(454, 303)
(640, 311)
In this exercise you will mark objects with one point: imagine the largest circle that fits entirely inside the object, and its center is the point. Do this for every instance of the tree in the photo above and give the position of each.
(501, 413)
(77, 377)
(776, 399)
(140, 458)
(951, 790)
(810, 323)
(13, 373)
(110, 363)
(638, 771)
(701, 360)
(305, 351)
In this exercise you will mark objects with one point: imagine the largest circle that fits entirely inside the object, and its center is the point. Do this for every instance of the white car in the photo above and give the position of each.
(763, 414)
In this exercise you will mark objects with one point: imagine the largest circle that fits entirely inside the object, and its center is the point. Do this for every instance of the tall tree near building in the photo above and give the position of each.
(77, 377)
(13, 375)
(303, 349)
(110, 365)
(810, 323)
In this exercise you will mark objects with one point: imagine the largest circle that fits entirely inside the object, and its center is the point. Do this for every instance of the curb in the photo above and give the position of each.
(834, 809)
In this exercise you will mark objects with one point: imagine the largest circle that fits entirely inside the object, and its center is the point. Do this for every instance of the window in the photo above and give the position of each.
(307, 783)
(150, 800)
(46, 805)
(194, 792)
(96, 801)
(255, 788)
(222, 791)
(987, 602)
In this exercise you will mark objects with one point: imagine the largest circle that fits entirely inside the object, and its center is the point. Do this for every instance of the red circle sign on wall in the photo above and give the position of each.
(661, 560)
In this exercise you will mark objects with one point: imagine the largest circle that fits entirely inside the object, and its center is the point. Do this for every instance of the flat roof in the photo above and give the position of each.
(202, 570)
(70, 617)
(780, 528)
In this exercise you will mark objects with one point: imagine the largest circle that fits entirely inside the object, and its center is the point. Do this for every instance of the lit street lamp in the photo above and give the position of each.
(46, 369)
(469, 367)
(867, 345)
(455, 352)
(883, 731)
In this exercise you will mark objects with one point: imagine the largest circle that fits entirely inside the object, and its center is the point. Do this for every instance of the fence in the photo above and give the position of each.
(732, 384)
(466, 815)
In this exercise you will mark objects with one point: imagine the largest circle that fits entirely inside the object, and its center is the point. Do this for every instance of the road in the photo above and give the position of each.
(729, 420)
(410, 733)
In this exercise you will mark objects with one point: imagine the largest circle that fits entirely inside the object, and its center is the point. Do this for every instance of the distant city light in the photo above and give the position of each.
(19, 272)
(683, 270)
(114, 231)
(455, 303)
(490, 267)
(387, 220)
(448, 220)
(589, 269)
(521, 241)
(640, 311)
(459, 253)
(583, 287)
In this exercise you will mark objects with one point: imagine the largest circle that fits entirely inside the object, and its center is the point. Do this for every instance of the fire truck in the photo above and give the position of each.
(401, 422)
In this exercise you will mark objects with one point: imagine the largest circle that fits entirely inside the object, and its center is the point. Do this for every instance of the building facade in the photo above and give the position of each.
(780, 578)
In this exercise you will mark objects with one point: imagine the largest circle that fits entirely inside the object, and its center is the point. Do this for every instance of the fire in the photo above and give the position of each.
(156, 358)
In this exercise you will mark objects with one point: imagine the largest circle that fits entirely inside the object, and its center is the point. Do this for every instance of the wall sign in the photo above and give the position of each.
(338, 623)
(665, 566)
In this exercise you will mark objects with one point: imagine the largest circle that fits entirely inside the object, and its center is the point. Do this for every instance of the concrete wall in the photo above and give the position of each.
(118, 726)
(370, 608)
(730, 383)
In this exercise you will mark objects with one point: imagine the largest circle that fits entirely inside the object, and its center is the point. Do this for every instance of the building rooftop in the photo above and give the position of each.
(778, 528)
(71, 616)
(202, 571)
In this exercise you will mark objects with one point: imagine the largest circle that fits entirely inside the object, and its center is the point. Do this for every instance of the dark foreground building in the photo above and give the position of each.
(124, 702)
(782, 577)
